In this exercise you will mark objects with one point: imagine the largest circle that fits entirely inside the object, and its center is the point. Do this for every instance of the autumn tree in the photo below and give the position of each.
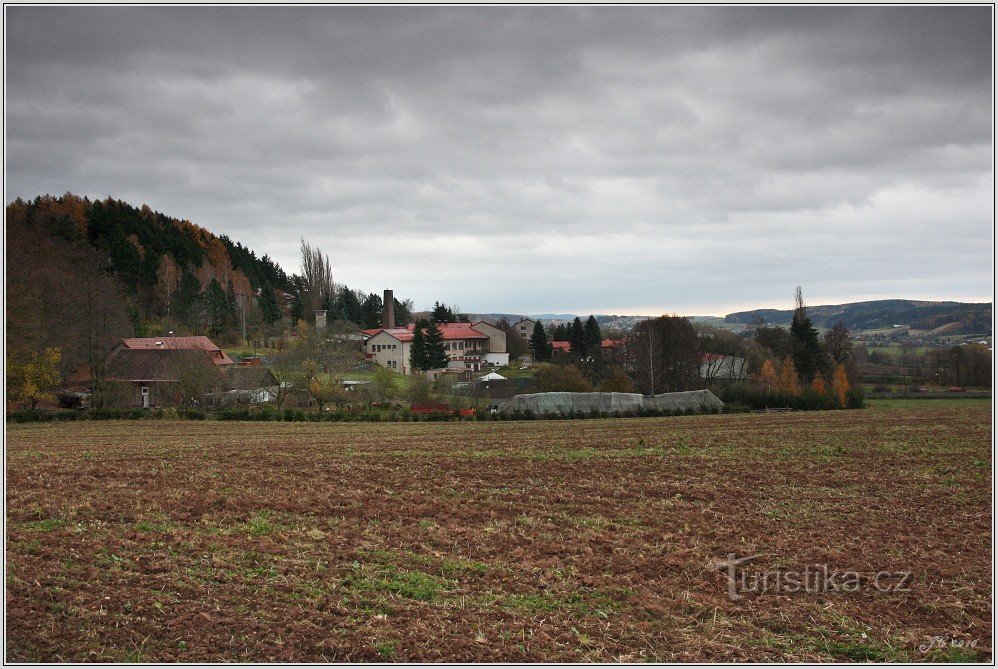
(33, 376)
(561, 378)
(766, 377)
(789, 382)
(818, 385)
(840, 385)
(616, 381)
(326, 389)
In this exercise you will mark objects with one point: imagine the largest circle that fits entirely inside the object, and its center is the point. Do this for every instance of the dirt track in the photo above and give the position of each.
(528, 541)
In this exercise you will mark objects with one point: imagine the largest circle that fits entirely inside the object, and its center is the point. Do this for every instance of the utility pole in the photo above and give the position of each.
(651, 359)
(242, 309)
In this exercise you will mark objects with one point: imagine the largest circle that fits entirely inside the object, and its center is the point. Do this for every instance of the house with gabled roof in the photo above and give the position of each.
(469, 346)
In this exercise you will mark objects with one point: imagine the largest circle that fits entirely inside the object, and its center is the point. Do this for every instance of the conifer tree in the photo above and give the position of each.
(268, 304)
(217, 307)
(593, 338)
(436, 355)
(808, 353)
(577, 338)
(539, 343)
(417, 350)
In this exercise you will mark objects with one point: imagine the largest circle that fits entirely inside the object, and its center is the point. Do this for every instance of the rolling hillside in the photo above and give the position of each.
(954, 317)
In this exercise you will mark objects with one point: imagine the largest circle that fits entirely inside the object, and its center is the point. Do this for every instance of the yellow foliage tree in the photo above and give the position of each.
(33, 376)
(767, 376)
(325, 390)
(840, 385)
(818, 385)
(789, 383)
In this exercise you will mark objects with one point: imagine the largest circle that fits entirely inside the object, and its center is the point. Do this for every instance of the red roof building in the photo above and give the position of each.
(200, 343)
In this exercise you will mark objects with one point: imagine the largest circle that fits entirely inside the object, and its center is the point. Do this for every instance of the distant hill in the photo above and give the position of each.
(954, 317)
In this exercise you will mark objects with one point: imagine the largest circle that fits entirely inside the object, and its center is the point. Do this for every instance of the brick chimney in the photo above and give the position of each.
(320, 320)
(388, 310)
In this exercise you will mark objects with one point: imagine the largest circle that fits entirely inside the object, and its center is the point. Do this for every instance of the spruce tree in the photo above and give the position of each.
(539, 343)
(217, 307)
(577, 338)
(808, 353)
(232, 304)
(187, 302)
(441, 313)
(268, 304)
(417, 350)
(593, 338)
(436, 355)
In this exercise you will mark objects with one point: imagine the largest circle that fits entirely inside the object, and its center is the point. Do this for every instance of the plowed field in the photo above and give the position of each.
(587, 540)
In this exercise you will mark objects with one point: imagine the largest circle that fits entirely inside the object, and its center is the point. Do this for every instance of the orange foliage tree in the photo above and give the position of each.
(789, 383)
(767, 376)
(840, 385)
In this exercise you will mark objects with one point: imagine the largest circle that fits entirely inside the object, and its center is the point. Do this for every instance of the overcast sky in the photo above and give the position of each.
(612, 160)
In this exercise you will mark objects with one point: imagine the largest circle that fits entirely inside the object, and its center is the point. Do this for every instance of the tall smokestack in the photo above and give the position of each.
(388, 310)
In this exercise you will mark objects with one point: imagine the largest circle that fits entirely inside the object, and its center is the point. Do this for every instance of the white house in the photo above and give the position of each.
(468, 346)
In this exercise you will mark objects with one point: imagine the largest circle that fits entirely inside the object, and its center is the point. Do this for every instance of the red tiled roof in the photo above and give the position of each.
(561, 345)
(611, 343)
(199, 343)
(449, 330)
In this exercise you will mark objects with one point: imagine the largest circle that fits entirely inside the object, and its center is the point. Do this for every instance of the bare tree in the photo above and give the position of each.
(318, 276)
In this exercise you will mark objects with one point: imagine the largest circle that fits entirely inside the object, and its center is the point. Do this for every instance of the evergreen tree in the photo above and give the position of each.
(436, 355)
(539, 343)
(268, 304)
(217, 308)
(577, 338)
(417, 350)
(231, 305)
(808, 353)
(350, 306)
(370, 312)
(187, 300)
(593, 338)
(441, 313)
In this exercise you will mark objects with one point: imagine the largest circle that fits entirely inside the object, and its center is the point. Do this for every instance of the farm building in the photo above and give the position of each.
(157, 371)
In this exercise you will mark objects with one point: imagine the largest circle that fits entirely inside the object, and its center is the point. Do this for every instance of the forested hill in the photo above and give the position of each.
(73, 264)
(957, 317)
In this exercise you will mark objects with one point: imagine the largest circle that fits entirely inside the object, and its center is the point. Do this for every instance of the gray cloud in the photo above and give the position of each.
(650, 159)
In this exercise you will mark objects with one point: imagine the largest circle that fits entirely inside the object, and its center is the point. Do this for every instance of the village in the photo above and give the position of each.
(340, 366)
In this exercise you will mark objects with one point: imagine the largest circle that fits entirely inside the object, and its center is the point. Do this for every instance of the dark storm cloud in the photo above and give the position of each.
(533, 159)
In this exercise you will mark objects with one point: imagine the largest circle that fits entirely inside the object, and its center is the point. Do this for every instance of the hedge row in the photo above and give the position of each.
(737, 399)
(808, 400)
